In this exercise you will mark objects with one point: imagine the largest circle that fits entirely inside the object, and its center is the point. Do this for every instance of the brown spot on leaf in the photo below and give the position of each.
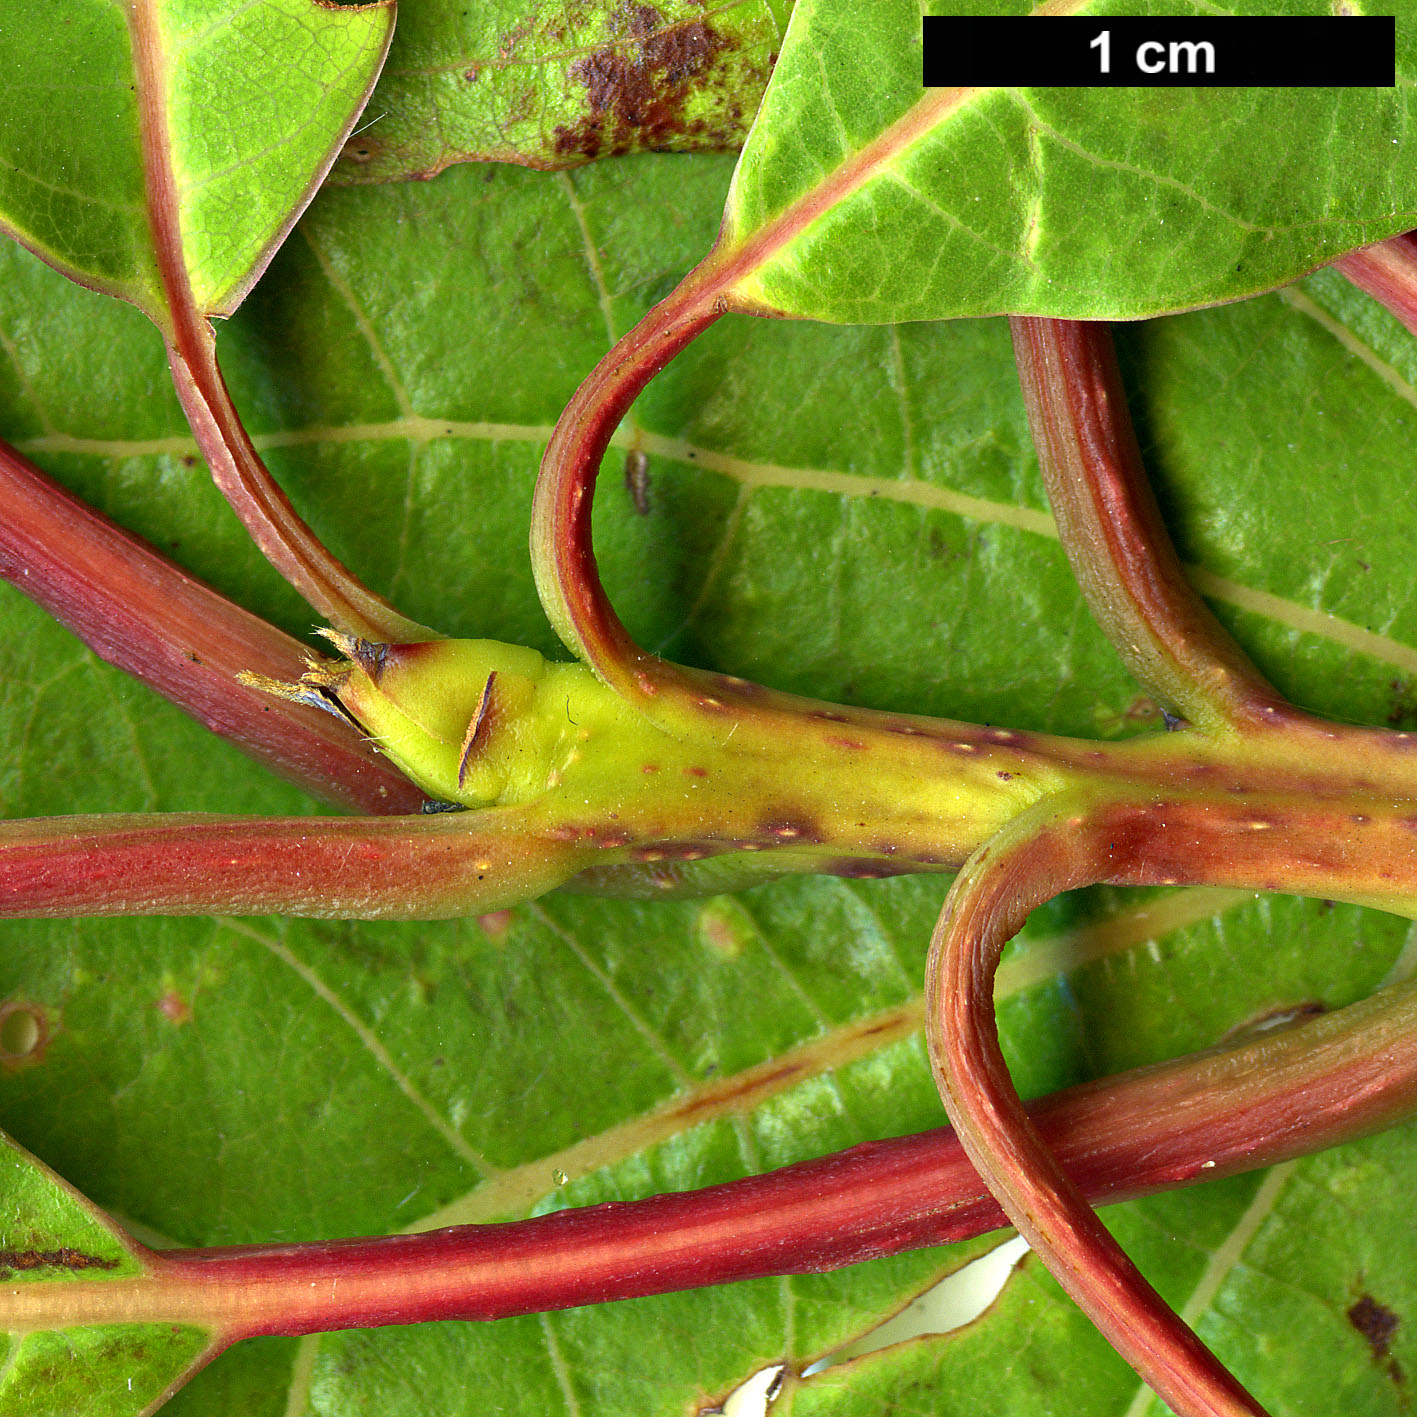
(1402, 707)
(639, 89)
(174, 1008)
(1375, 1322)
(522, 106)
(722, 927)
(510, 42)
(938, 548)
(738, 1091)
(361, 150)
(27, 1261)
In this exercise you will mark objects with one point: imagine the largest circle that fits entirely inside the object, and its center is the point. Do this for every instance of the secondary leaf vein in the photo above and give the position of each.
(456, 1142)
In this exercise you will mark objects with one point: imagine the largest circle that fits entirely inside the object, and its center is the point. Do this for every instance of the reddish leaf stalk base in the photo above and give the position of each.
(1112, 531)
(286, 541)
(1051, 849)
(1387, 272)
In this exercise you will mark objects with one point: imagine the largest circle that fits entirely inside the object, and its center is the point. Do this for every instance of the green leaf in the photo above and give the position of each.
(848, 512)
(50, 1235)
(151, 144)
(547, 85)
(876, 202)
(48, 1229)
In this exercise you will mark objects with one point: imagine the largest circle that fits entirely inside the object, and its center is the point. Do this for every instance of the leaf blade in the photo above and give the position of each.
(195, 135)
(51, 1235)
(550, 86)
(1077, 203)
(845, 512)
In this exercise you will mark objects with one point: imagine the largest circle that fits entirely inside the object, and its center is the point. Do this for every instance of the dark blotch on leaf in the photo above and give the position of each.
(26, 1261)
(1402, 712)
(510, 42)
(361, 150)
(1375, 1322)
(639, 90)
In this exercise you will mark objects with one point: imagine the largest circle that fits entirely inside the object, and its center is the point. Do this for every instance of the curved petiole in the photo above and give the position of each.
(562, 553)
(285, 540)
(1112, 531)
(1048, 850)
(244, 480)
(1061, 844)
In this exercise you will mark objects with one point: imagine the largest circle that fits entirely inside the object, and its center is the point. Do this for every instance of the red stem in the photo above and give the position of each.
(367, 868)
(140, 612)
(1249, 1104)
(1387, 272)
(1112, 531)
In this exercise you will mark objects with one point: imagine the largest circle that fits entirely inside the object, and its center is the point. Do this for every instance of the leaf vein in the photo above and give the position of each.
(1226, 1257)
(369, 1040)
